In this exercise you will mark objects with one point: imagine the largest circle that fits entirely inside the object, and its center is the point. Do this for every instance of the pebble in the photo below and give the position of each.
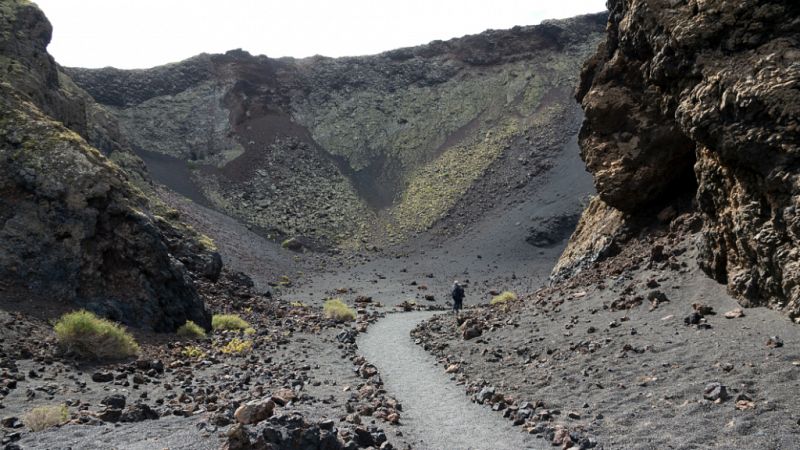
(715, 392)
(774, 342)
(734, 314)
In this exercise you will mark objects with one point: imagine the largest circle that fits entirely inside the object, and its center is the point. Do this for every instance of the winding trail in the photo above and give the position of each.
(436, 412)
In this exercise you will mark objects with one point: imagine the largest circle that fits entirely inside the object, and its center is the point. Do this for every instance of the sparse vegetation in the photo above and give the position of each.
(43, 417)
(435, 187)
(236, 346)
(337, 310)
(503, 298)
(88, 336)
(191, 330)
(192, 351)
(206, 242)
(228, 322)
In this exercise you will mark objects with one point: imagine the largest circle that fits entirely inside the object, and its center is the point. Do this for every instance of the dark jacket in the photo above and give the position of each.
(458, 293)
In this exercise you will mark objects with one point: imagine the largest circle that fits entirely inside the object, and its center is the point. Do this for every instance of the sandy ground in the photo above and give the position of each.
(636, 378)
(174, 433)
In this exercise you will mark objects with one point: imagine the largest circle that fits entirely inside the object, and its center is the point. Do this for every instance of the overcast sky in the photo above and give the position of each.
(145, 33)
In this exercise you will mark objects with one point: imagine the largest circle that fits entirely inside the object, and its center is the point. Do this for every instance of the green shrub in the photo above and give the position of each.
(43, 417)
(192, 351)
(337, 310)
(191, 330)
(503, 298)
(228, 322)
(206, 242)
(236, 346)
(89, 336)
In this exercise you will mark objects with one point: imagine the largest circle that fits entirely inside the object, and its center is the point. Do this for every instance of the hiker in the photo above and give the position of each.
(458, 296)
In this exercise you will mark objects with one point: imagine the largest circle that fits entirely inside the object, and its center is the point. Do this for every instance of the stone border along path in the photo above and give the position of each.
(436, 412)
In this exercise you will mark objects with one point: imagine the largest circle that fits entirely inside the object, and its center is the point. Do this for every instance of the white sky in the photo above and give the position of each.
(144, 33)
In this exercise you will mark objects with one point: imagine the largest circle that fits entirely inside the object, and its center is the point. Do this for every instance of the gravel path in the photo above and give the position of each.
(436, 412)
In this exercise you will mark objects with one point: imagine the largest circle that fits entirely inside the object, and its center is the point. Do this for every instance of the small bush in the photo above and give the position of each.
(337, 310)
(503, 298)
(191, 351)
(43, 417)
(191, 330)
(89, 336)
(228, 322)
(207, 243)
(236, 346)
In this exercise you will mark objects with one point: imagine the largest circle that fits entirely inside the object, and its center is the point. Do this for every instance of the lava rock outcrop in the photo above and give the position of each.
(702, 96)
(75, 226)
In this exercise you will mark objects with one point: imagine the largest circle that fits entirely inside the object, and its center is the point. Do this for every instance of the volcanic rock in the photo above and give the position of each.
(116, 401)
(138, 413)
(681, 101)
(76, 228)
(254, 411)
(715, 392)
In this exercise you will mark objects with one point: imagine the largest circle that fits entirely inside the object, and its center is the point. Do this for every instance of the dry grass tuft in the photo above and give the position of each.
(337, 310)
(236, 346)
(191, 330)
(228, 322)
(503, 298)
(43, 417)
(88, 336)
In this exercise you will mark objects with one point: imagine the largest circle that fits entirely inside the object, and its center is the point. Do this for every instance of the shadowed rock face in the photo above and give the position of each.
(705, 94)
(74, 229)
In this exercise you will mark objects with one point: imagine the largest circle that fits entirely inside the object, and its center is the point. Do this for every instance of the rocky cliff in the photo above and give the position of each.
(75, 226)
(348, 149)
(699, 98)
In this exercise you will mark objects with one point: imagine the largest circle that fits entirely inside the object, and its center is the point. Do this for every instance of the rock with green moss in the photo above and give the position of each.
(74, 228)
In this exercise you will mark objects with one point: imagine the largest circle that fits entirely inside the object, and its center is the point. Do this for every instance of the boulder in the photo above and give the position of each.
(116, 401)
(138, 413)
(254, 411)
